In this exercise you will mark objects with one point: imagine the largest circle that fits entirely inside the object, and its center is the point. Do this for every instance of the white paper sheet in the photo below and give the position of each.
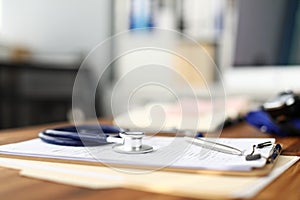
(169, 152)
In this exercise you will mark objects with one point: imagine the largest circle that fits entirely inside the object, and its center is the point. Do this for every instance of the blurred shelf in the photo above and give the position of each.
(35, 92)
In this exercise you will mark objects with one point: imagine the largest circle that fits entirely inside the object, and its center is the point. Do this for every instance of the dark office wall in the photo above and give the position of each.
(260, 31)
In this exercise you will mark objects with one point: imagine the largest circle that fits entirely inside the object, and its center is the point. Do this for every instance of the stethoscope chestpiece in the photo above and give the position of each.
(132, 143)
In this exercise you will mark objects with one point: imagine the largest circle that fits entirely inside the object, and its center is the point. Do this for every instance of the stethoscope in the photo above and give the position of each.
(90, 135)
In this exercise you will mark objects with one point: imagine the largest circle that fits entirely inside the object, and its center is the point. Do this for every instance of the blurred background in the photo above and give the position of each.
(253, 43)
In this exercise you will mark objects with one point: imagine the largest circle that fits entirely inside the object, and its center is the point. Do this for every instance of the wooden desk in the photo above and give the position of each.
(14, 186)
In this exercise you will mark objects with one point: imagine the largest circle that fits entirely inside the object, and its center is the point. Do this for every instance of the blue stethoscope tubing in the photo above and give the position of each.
(81, 135)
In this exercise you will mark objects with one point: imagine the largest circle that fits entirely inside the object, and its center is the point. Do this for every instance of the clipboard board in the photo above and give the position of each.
(255, 171)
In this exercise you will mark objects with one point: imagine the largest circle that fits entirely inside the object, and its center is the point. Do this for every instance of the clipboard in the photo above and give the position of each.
(256, 171)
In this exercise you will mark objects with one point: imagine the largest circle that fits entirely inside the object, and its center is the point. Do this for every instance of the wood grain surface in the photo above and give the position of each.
(13, 186)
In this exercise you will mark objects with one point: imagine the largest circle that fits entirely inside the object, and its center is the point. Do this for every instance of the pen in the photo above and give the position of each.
(274, 153)
(214, 146)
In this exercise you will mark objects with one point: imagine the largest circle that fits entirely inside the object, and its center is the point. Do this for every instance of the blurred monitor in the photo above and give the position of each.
(260, 52)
